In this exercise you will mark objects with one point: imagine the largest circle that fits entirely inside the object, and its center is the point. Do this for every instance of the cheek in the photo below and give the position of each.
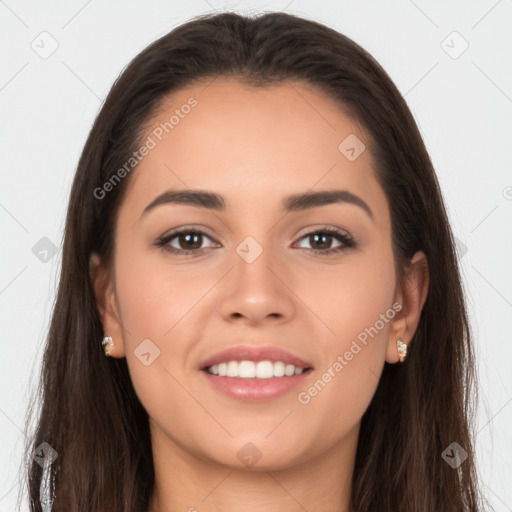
(351, 297)
(157, 307)
(356, 304)
(153, 295)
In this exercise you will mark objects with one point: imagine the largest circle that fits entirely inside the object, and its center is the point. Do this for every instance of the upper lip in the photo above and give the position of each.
(256, 354)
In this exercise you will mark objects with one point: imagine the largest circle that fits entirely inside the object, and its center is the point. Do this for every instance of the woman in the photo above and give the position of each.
(257, 241)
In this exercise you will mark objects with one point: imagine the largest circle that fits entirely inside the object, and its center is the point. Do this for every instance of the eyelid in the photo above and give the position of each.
(192, 228)
(323, 227)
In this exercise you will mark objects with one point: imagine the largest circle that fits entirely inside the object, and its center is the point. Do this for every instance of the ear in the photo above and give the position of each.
(104, 292)
(411, 296)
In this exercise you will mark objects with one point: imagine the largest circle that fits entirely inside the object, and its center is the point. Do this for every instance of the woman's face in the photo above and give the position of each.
(267, 270)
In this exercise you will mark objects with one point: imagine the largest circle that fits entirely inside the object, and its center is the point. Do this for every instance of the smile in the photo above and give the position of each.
(251, 369)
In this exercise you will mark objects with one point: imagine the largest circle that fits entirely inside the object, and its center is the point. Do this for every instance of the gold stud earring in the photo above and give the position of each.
(108, 344)
(402, 349)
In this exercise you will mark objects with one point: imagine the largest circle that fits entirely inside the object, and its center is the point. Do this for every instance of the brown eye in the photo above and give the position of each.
(189, 240)
(321, 241)
(186, 241)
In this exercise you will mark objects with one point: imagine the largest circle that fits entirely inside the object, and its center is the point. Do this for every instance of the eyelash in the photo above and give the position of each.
(347, 241)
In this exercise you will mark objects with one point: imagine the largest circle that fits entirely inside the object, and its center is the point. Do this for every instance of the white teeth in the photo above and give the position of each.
(247, 370)
(232, 370)
(264, 370)
(289, 370)
(250, 369)
(278, 369)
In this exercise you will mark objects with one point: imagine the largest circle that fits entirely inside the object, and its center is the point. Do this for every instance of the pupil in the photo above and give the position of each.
(325, 245)
(187, 239)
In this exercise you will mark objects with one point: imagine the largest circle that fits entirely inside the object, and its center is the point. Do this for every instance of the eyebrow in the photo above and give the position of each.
(293, 203)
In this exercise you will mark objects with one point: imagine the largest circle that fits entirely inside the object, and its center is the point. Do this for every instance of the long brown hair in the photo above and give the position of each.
(89, 412)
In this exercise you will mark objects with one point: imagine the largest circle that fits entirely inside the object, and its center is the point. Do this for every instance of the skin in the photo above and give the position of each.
(254, 147)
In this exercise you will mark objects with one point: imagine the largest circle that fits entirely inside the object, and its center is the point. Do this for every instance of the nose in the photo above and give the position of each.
(258, 291)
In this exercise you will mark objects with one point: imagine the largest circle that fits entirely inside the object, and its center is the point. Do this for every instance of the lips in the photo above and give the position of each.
(256, 354)
(260, 387)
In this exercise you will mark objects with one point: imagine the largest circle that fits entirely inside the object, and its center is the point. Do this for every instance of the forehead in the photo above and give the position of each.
(250, 144)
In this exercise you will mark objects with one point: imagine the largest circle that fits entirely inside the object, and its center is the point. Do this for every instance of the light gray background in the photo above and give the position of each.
(462, 103)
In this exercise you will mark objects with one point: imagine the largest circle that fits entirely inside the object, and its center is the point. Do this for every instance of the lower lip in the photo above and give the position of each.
(255, 390)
